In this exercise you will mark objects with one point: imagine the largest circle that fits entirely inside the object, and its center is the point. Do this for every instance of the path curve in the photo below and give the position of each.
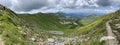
(110, 34)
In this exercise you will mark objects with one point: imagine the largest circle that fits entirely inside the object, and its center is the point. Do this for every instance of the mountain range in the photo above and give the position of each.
(56, 28)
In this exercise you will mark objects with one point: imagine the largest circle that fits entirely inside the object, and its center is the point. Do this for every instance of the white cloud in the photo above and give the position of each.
(59, 5)
(6, 3)
(80, 3)
(90, 3)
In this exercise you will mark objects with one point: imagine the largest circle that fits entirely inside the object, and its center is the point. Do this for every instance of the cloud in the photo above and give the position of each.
(115, 2)
(89, 3)
(5, 2)
(27, 5)
(35, 6)
(104, 2)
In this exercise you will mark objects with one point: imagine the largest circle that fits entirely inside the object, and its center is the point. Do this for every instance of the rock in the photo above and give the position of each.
(115, 31)
(19, 27)
(50, 43)
(117, 24)
(116, 19)
(59, 43)
(65, 22)
(75, 23)
(50, 40)
(59, 40)
(33, 39)
(118, 27)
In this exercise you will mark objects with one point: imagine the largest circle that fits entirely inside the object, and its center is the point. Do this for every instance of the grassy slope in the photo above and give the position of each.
(45, 22)
(9, 30)
(87, 20)
(96, 29)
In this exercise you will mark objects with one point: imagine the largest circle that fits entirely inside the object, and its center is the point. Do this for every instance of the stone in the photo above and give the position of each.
(50, 40)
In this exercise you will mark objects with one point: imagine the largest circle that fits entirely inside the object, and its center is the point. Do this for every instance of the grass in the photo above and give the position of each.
(89, 19)
(95, 30)
(10, 32)
(45, 22)
(34, 24)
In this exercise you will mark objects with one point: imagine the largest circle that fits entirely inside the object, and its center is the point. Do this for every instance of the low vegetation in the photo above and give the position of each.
(36, 29)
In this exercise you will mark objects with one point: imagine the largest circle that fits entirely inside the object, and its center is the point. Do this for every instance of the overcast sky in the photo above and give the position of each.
(68, 6)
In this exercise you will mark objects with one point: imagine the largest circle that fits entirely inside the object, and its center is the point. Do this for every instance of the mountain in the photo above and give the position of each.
(49, 21)
(88, 19)
(83, 14)
(13, 30)
(52, 29)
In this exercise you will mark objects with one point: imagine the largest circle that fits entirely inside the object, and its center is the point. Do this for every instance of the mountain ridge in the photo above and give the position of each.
(22, 29)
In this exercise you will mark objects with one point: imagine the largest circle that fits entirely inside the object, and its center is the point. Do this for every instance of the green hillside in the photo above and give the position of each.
(12, 30)
(88, 19)
(49, 22)
(96, 29)
(41, 28)
(44, 21)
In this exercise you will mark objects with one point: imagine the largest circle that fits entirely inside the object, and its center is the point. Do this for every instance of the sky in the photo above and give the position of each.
(67, 6)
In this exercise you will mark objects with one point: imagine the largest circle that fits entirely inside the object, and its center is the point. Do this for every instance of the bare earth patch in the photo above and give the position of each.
(1, 41)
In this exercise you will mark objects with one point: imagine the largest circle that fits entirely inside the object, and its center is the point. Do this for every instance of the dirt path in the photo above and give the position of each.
(1, 41)
(110, 34)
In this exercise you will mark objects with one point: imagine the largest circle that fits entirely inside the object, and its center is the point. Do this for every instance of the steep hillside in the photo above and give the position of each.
(88, 19)
(49, 22)
(44, 21)
(12, 30)
(115, 25)
(96, 30)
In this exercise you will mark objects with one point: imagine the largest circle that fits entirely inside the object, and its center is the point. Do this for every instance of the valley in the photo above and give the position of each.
(56, 28)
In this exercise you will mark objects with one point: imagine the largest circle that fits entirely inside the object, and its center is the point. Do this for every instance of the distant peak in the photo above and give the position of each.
(118, 10)
(2, 7)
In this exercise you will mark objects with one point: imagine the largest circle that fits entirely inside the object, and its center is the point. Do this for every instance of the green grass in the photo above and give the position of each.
(10, 32)
(92, 28)
(34, 24)
(45, 22)
(89, 19)
(95, 30)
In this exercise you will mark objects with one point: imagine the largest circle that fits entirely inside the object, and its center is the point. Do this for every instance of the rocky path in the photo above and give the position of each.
(112, 39)
(1, 41)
